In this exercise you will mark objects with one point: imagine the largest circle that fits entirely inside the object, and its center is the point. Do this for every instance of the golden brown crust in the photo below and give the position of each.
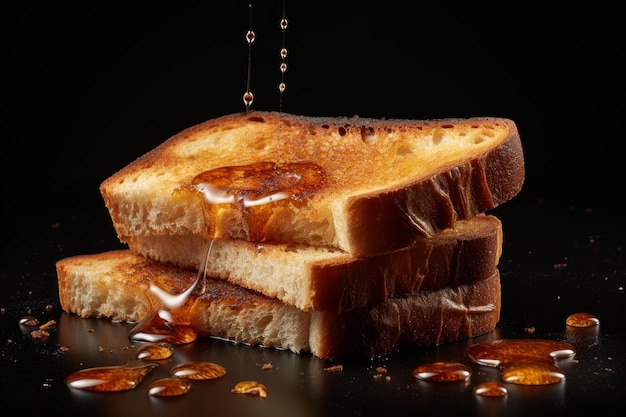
(450, 258)
(387, 182)
(426, 318)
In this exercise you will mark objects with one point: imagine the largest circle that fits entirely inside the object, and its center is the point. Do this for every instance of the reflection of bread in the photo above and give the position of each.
(115, 285)
(320, 279)
(366, 186)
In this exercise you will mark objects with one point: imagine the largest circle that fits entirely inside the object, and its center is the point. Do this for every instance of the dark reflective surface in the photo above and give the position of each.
(93, 85)
(559, 258)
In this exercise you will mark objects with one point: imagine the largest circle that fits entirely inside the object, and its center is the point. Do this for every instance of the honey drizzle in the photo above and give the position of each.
(244, 192)
(159, 327)
(248, 97)
(283, 56)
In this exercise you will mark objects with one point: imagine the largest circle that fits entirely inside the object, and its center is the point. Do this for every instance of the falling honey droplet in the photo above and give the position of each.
(283, 53)
(281, 87)
(283, 67)
(155, 329)
(250, 388)
(442, 372)
(198, 370)
(110, 378)
(169, 387)
(154, 352)
(490, 389)
(250, 37)
(283, 23)
(532, 373)
(248, 98)
(582, 320)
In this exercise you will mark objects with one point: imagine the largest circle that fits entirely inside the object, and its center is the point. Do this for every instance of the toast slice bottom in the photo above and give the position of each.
(115, 285)
(315, 279)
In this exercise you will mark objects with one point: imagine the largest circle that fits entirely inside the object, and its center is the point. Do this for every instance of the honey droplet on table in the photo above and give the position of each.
(442, 372)
(532, 373)
(30, 321)
(250, 388)
(523, 361)
(154, 352)
(198, 370)
(582, 320)
(169, 387)
(490, 389)
(110, 378)
(504, 351)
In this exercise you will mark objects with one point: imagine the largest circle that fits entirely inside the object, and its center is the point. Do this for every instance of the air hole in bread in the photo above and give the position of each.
(478, 139)
(342, 131)
(261, 144)
(404, 150)
(264, 321)
(368, 134)
(488, 133)
(437, 137)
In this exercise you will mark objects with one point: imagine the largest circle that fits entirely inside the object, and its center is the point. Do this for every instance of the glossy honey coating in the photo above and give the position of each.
(250, 192)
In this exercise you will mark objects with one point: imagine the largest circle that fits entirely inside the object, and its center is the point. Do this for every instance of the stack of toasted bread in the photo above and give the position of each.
(347, 238)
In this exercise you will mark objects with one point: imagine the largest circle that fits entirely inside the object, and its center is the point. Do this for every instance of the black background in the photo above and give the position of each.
(89, 86)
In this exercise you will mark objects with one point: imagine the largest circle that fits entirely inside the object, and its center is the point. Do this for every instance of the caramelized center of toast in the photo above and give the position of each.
(241, 194)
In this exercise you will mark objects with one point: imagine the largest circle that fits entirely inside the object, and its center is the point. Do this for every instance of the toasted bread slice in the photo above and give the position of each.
(115, 285)
(360, 185)
(319, 279)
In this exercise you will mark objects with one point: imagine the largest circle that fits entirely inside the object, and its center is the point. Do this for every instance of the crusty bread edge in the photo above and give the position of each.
(421, 319)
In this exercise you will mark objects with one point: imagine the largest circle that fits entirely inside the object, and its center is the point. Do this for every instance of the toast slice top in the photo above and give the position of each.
(358, 184)
(319, 279)
(115, 285)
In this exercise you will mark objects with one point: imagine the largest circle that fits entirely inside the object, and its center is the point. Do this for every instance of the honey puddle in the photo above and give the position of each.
(523, 361)
(442, 372)
(110, 378)
(169, 387)
(520, 361)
